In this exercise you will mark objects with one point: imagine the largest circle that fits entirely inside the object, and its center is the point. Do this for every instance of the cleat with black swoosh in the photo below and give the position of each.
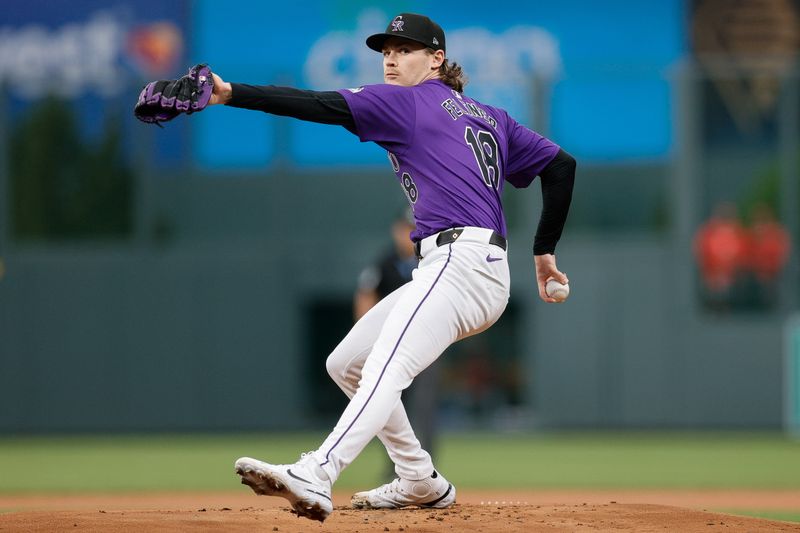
(306, 491)
(433, 492)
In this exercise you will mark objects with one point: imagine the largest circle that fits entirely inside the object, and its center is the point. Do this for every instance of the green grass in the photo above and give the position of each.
(624, 460)
(565, 460)
(149, 462)
(786, 516)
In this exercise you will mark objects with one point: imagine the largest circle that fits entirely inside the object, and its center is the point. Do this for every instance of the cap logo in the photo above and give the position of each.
(397, 23)
(436, 41)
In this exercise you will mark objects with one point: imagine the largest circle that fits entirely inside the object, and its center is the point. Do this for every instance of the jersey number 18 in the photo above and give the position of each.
(484, 148)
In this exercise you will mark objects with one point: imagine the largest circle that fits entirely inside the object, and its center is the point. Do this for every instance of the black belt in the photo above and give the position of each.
(450, 235)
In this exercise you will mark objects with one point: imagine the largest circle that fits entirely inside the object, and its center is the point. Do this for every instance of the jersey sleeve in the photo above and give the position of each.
(384, 114)
(528, 154)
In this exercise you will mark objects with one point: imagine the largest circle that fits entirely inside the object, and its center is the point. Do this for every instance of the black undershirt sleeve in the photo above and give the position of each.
(324, 107)
(557, 178)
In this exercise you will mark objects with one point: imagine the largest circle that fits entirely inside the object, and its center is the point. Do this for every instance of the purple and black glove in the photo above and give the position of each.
(161, 101)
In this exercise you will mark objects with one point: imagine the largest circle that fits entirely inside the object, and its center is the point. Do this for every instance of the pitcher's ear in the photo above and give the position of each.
(439, 58)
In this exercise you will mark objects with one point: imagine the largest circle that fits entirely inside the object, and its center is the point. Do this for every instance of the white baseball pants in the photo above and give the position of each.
(458, 290)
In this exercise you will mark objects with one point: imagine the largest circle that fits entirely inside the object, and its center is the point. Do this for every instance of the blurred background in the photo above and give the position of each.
(194, 278)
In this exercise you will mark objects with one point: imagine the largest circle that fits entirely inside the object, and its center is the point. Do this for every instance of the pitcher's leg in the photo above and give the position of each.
(438, 307)
(346, 360)
(423, 322)
(344, 365)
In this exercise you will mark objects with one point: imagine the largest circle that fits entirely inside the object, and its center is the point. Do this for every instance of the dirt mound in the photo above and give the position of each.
(489, 516)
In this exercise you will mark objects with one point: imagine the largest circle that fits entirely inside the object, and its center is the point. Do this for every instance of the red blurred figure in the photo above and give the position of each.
(769, 245)
(721, 247)
(155, 48)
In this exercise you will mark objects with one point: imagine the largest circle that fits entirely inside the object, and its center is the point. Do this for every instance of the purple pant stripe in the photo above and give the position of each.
(371, 394)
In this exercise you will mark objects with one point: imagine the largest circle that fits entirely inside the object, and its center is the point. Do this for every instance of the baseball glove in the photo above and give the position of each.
(161, 101)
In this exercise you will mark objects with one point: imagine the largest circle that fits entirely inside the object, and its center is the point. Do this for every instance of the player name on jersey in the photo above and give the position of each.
(458, 107)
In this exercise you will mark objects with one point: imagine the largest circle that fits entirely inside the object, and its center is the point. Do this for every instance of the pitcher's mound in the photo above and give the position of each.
(486, 518)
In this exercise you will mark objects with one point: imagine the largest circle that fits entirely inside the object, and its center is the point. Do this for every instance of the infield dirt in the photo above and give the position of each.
(490, 512)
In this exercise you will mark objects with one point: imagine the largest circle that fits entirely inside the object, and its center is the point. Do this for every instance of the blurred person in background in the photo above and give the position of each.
(768, 251)
(390, 272)
(721, 246)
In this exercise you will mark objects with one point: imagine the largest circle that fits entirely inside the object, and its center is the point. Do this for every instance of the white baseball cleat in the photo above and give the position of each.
(432, 492)
(307, 492)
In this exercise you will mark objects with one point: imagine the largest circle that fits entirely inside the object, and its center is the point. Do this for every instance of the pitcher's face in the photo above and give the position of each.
(408, 63)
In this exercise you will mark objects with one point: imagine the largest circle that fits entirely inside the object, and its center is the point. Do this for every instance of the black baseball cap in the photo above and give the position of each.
(410, 26)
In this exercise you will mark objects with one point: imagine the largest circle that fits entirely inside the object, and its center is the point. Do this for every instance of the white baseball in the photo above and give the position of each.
(556, 290)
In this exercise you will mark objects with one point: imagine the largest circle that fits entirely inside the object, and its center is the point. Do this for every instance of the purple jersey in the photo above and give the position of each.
(451, 154)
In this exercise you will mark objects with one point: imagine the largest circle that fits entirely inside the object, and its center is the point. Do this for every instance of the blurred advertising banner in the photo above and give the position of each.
(89, 48)
(95, 55)
(567, 69)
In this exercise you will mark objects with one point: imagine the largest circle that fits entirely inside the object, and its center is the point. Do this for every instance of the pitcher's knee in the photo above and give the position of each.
(336, 370)
(340, 367)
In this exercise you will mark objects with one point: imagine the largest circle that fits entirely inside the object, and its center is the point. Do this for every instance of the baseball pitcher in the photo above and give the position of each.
(452, 157)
